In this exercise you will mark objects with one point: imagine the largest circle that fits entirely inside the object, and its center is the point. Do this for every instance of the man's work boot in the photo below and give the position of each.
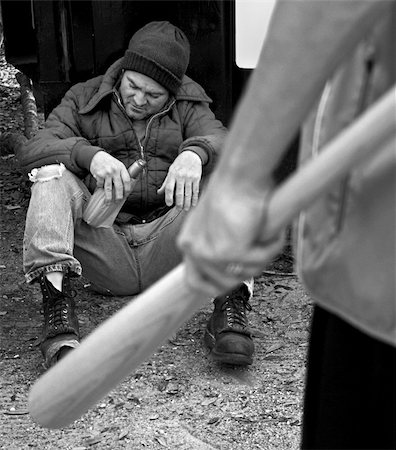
(227, 333)
(61, 331)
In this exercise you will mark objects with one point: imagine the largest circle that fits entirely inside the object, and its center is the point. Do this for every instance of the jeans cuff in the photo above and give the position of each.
(73, 268)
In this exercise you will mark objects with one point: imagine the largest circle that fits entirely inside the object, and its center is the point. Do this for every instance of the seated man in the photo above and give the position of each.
(144, 107)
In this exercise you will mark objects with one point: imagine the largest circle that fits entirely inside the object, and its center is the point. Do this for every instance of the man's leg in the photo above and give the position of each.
(57, 199)
(107, 259)
(48, 244)
(350, 394)
(153, 246)
(227, 333)
(55, 238)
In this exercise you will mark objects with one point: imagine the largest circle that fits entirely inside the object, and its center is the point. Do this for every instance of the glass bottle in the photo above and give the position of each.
(98, 214)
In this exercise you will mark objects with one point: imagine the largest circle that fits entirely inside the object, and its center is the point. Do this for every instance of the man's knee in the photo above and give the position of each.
(46, 176)
(47, 173)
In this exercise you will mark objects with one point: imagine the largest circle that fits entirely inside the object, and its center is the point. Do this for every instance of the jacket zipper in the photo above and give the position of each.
(141, 145)
(148, 126)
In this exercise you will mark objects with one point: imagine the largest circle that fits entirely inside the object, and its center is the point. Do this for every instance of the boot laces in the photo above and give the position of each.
(235, 307)
(58, 310)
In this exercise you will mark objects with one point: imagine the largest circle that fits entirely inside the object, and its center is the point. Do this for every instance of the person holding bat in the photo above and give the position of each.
(322, 65)
(143, 107)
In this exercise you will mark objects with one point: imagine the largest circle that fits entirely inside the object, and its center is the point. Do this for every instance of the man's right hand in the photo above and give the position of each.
(111, 175)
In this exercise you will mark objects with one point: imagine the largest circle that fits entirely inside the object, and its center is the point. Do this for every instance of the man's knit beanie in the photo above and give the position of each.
(160, 51)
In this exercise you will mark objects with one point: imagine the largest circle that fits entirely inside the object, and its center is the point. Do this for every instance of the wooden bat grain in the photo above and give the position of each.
(125, 340)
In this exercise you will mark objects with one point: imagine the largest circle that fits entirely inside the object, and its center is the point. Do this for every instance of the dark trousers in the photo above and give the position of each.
(350, 393)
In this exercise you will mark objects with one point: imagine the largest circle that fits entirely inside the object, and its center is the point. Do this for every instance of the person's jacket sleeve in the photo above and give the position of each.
(203, 133)
(60, 140)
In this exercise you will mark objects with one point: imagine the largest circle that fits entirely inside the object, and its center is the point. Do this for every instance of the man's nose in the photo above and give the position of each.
(140, 99)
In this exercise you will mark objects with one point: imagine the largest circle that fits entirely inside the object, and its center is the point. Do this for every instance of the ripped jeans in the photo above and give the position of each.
(122, 260)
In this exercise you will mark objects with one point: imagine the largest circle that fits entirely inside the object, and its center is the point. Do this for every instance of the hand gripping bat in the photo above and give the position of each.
(122, 342)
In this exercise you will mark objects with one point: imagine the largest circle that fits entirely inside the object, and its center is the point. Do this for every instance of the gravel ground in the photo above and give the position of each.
(177, 399)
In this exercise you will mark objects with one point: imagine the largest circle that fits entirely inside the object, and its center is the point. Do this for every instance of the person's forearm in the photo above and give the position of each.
(46, 148)
(306, 42)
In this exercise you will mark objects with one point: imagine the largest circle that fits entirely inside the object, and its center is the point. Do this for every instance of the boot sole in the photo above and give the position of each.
(56, 347)
(234, 359)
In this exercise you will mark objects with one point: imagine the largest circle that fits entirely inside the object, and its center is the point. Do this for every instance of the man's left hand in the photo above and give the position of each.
(181, 185)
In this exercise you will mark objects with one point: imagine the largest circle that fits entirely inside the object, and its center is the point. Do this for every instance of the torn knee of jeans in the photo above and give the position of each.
(46, 173)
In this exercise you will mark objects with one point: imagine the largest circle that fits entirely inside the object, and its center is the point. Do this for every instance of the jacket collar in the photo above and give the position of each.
(107, 86)
(189, 90)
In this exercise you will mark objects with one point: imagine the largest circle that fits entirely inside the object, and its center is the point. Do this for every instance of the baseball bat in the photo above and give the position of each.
(122, 342)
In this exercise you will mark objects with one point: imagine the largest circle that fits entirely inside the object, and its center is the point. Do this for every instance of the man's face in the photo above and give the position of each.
(142, 96)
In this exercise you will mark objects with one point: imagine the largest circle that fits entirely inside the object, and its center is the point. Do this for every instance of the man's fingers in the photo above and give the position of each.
(187, 196)
(195, 193)
(108, 188)
(99, 182)
(111, 175)
(179, 191)
(169, 191)
(221, 275)
(118, 187)
(179, 195)
(122, 184)
(126, 181)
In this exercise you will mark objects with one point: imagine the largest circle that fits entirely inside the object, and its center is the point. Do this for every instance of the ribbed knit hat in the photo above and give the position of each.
(160, 51)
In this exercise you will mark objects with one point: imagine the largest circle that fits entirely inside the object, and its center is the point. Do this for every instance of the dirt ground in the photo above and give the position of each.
(177, 399)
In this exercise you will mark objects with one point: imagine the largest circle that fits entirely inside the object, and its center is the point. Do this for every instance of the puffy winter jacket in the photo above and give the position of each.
(91, 118)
